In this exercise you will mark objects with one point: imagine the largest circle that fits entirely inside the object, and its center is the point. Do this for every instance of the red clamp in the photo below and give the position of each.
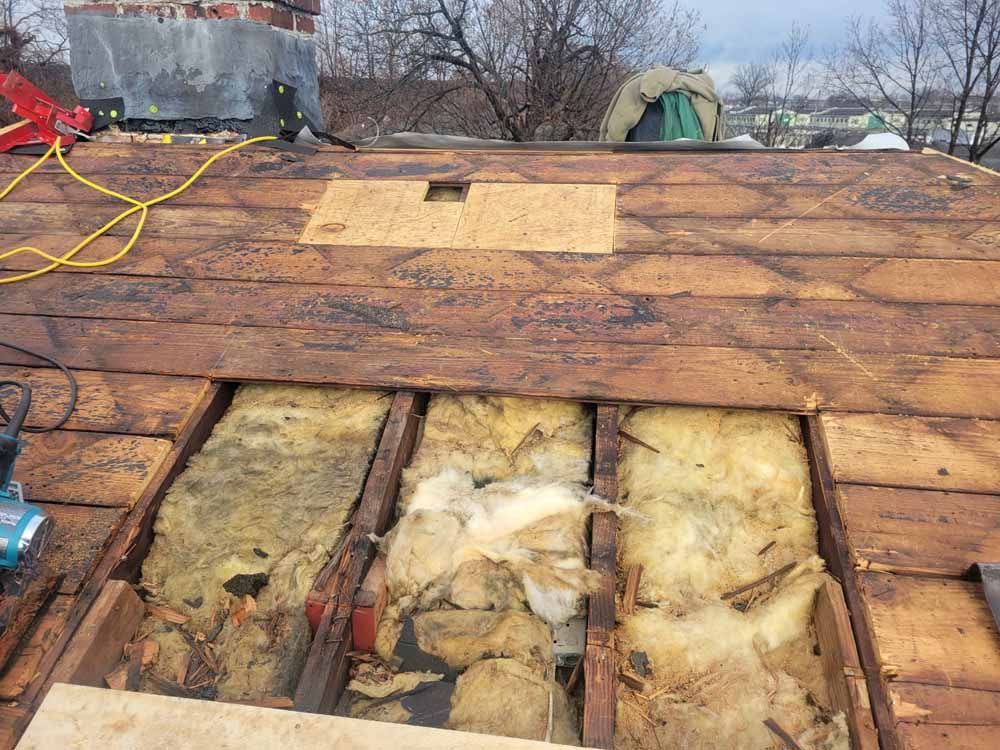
(44, 120)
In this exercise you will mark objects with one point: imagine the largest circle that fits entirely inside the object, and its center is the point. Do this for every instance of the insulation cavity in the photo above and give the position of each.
(246, 528)
(722, 639)
(489, 552)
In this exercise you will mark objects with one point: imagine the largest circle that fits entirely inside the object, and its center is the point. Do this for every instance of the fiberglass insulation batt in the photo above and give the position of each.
(257, 512)
(488, 553)
(722, 502)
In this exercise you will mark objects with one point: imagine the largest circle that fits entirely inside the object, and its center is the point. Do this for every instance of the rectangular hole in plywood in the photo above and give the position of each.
(453, 192)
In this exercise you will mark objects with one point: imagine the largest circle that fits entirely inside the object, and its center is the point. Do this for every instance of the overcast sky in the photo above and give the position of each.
(739, 31)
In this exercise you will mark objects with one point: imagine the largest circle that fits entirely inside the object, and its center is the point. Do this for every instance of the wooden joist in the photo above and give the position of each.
(599, 670)
(325, 673)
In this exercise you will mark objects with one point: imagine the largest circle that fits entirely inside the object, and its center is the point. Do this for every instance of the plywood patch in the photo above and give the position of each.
(551, 218)
(368, 212)
(494, 216)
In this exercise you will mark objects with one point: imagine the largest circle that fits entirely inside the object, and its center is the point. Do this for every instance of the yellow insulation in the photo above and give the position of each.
(269, 493)
(723, 500)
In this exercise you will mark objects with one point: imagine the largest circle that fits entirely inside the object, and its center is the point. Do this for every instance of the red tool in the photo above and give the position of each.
(44, 120)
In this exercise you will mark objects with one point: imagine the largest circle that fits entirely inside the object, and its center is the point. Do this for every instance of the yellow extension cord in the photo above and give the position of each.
(137, 205)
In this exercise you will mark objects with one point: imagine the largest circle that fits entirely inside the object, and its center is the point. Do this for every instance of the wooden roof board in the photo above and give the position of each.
(860, 286)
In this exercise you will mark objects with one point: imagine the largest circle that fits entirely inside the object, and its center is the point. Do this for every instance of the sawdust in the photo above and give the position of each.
(268, 496)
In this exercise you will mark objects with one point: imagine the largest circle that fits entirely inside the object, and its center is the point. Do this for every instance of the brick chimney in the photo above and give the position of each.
(195, 66)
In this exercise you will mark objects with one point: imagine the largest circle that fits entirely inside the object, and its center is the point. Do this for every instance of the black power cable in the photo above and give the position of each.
(20, 413)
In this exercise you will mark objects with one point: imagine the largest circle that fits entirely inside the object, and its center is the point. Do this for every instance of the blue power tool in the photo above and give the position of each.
(24, 528)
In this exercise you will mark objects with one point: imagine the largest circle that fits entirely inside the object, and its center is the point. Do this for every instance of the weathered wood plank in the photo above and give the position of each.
(129, 403)
(22, 669)
(88, 468)
(167, 220)
(972, 240)
(920, 452)
(842, 667)
(913, 703)
(600, 681)
(851, 327)
(754, 276)
(921, 532)
(123, 720)
(784, 168)
(933, 630)
(860, 201)
(800, 381)
(81, 535)
(259, 192)
(936, 736)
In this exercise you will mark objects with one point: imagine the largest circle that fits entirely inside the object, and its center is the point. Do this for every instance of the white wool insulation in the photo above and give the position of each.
(269, 493)
(722, 501)
(501, 546)
(490, 550)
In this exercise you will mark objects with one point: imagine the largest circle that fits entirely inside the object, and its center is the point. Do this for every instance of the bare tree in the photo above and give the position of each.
(752, 81)
(968, 33)
(788, 84)
(892, 69)
(517, 69)
(32, 32)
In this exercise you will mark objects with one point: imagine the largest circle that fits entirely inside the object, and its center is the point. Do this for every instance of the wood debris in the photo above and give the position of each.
(165, 613)
(631, 589)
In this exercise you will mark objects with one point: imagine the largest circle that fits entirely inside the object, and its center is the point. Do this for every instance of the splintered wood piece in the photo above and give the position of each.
(782, 735)
(240, 610)
(276, 701)
(165, 613)
(632, 588)
(523, 440)
(633, 439)
(759, 582)
(117, 679)
(182, 668)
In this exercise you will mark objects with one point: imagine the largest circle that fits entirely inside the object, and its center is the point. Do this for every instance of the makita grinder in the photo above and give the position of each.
(24, 529)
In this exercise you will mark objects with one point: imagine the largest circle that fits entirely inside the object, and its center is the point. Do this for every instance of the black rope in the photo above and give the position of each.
(26, 390)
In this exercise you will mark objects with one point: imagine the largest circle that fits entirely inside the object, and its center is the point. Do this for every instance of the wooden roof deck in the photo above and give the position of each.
(858, 287)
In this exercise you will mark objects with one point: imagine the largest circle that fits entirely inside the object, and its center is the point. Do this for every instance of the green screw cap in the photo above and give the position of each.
(153, 108)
